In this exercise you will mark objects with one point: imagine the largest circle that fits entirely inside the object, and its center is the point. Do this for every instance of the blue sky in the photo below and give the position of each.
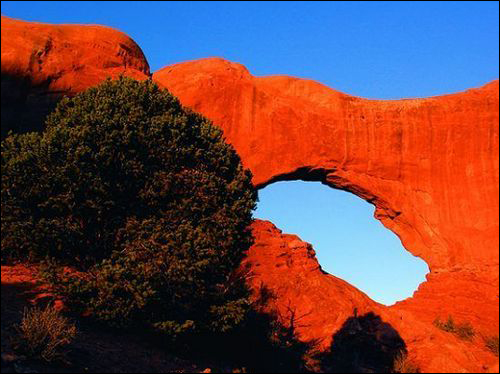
(372, 49)
(349, 242)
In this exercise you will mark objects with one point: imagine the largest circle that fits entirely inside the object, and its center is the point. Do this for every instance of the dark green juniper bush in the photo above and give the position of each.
(142, 196)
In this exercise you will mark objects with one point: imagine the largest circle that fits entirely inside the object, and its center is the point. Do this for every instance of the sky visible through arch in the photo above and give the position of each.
(349, 242)
(385, 50)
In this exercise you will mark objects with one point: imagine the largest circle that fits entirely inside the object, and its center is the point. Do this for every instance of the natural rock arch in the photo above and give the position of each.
(414, 159)
(429, 165)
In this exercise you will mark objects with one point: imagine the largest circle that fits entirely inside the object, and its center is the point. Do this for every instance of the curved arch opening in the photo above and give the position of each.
(349, 241)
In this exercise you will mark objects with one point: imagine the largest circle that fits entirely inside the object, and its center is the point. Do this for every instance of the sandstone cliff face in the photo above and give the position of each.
(41, 63)
(430, 166)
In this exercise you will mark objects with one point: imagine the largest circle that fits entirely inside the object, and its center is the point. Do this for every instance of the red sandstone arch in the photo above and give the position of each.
(430, 166)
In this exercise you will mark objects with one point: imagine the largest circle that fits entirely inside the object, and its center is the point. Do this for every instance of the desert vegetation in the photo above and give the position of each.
(464, 331)
(137, 211)
(403, 364)
(491, 343)
(143, 198)
(44, 334)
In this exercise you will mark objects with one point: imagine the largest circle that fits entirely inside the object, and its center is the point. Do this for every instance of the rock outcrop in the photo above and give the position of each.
(430, 166)
(320, 304)
(42, 62)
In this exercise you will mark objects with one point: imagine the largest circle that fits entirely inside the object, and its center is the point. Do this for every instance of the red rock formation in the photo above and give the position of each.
(320, 304)
(430, 166)
(41, 63)
(288, 267)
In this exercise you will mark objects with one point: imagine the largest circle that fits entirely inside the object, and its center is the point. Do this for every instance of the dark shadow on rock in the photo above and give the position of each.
(24, 104)
(364, 344)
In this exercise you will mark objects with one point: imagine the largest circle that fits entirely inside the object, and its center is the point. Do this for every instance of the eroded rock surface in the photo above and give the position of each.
(43, 62)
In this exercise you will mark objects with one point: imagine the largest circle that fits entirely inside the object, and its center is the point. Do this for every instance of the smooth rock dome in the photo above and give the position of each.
(43, 62)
